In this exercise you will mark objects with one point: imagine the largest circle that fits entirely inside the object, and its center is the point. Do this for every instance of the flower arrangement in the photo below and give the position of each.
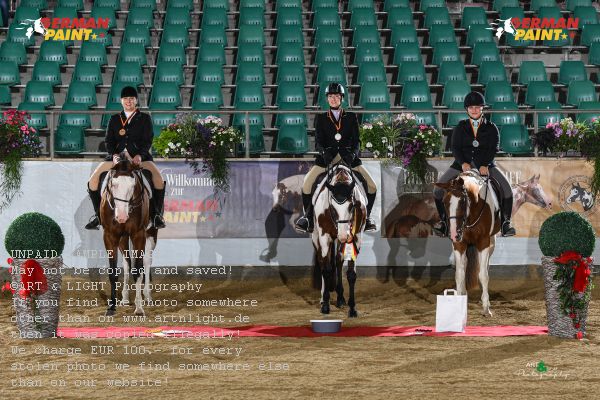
(17, 140)
(590, 149)
(402, 140)
(174, 139)
(212, 143)
(575, 285)
(561, 136)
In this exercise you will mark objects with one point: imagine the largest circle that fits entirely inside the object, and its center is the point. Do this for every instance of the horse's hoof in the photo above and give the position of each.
(110, 312)
(325, 309)
(148, 298)
(486, 313)
(352, 314)
(138, 312)
(341, 302)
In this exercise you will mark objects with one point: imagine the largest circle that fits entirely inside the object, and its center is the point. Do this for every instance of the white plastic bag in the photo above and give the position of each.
(451, 312)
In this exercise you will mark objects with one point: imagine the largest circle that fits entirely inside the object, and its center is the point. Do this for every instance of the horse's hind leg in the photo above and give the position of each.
(484, 260)
(351, 274)
(124, 247)
(339, 264)
(150, 244)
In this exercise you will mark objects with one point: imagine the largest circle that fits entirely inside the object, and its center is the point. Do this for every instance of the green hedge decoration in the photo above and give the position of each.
(567, 231)
(37, 234)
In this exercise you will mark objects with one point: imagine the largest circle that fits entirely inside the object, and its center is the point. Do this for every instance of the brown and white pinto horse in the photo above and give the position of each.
(124, 214)
(474, 220)
(340, 213)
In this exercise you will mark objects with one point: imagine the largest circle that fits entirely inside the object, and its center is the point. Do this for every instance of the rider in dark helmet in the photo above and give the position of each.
(336, 132)
(129, 132)
(474, 144)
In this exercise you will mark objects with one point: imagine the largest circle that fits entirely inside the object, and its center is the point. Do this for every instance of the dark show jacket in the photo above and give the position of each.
(137, 139)
(325, 137)
(462, 144)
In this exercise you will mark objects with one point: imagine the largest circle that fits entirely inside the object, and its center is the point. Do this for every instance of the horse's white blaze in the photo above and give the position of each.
(453, 211)
(122, 188)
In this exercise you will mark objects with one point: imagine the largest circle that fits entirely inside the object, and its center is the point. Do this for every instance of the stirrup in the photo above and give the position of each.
(370, 225)
(93, 224)
(303, 225)
(158, 222)
(441, 229)
(507, 229)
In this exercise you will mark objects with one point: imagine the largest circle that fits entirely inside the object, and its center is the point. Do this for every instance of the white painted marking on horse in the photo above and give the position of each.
(122, 187)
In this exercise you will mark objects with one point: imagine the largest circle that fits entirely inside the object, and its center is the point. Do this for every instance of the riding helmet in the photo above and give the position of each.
(335, 88)
(474, 99)
(129, 91)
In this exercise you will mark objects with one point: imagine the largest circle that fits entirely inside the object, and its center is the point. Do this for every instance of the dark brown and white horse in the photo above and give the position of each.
(474, 220)
(124, 213)
(340, 213)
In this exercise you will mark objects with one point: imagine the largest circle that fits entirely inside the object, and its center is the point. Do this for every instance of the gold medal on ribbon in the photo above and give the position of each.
(122, 131)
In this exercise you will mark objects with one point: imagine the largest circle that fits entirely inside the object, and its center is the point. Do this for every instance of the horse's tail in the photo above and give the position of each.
(472, 270)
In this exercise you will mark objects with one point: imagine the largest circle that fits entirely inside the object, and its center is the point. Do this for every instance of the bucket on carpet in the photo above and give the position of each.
(451, 312)
(559, 324)
(37, 316)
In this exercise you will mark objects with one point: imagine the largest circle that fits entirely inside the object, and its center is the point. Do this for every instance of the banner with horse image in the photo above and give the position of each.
(541, 187)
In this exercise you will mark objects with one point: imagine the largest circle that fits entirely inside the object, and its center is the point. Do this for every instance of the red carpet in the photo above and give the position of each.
(290, 331)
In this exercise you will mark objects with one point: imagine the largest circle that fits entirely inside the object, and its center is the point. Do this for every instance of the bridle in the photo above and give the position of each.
(464, 198)
(351, 198)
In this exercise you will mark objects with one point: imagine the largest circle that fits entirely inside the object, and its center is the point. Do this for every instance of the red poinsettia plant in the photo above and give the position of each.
(575, 276)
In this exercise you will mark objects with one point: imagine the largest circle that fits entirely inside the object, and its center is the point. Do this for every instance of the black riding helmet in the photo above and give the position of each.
(474, 99)
(335, 88)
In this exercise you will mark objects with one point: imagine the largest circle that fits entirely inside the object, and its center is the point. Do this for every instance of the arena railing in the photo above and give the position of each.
(54, 115)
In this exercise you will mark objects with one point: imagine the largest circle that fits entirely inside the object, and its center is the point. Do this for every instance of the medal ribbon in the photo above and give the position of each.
(474, 127)
(338, 127)
(128, 119)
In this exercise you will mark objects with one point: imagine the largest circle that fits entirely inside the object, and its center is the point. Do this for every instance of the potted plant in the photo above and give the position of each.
(403, 141)
(17, 140)
(567, 241)
(35, 243)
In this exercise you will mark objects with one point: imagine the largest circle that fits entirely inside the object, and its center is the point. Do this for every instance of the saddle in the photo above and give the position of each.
(145, 175)
(496, 192)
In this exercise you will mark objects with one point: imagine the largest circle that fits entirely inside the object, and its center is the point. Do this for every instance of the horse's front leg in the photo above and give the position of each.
(124, 247)
(112, 248)
(327, 276)
(484, 261)
(339, 289)
(351, 275)
(460, 258)
(139, 241)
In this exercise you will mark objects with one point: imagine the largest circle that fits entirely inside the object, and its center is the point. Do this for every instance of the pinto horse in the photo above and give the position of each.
(124, 214)
(340, 213)
(474, 220)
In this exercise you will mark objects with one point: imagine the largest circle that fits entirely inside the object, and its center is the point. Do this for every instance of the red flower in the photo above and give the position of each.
(7, 286)
(572, 316)
(33, 279)
(582, 273)
(10, 270)
(579, 335)
(9, 260)
(577, 325)
(567, 256)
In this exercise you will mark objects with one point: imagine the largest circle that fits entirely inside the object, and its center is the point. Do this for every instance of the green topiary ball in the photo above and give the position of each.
(34, 235)
(567, 231)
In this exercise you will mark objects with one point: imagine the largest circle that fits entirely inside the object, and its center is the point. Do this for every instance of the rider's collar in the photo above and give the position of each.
(477, 122)
(337, 112)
